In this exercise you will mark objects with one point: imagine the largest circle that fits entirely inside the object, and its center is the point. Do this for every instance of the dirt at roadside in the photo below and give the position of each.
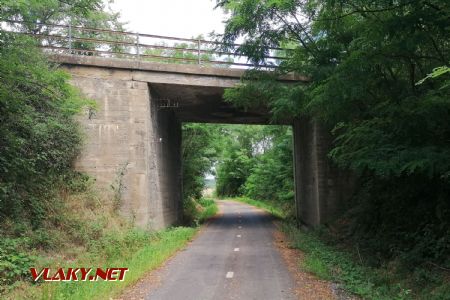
(307, 286)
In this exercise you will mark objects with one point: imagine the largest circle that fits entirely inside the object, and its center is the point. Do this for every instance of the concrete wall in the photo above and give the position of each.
(167, 137)
(321, 189)
(129, 141)
(132, 141)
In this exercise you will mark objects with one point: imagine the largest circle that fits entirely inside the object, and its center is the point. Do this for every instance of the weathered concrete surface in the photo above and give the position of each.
(134, 143)
(138, 65)
(321, 188)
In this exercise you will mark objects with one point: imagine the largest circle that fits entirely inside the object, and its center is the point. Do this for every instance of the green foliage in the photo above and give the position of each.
(256, 161)
(272, 207)
(14, 262)
(328, 262)
(38, 135)
(185, 53)
(199, 152)
(237, 157)
(364, 59)
(140, 251)
(198, 211)
(79, 13)
(272, 176)
(316, 266)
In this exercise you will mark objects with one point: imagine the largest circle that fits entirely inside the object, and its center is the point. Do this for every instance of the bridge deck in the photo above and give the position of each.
(194, 92)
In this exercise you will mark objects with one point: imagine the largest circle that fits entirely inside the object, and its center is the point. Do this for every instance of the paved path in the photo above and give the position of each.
(233, 258)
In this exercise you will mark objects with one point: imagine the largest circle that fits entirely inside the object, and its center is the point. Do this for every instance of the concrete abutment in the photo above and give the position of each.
(321, 189)
(132, 149)
(134, 144)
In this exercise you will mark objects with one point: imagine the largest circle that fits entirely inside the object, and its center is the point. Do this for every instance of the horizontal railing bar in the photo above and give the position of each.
(59, 42)
(133, 33)
(87, 39)
(63, 37)
(201, 51)
(154, 56)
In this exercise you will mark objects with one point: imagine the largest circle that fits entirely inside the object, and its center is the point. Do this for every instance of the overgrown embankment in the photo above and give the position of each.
(85, 230)
(50, 215)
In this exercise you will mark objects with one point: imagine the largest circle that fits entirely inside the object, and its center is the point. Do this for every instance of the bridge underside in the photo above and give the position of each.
(204, 105)
(134, 138)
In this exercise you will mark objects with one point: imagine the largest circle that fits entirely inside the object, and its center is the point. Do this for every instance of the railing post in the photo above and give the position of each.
(198, 51)
(137, 46)
(70, 36)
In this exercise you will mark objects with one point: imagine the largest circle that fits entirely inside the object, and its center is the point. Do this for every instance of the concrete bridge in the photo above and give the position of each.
(134, 138)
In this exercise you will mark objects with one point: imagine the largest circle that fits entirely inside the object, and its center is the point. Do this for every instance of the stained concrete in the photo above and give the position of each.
(321, 189)
(134, 138)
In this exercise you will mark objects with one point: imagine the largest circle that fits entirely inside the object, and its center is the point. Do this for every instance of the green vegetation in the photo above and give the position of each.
(270, 207)
(138, 250)
(50, 215)
(198, 211)
(256, 161)
(186, 53)
(327, 258)
(350, 269)
(365, 61)
(378, 79)
(38, 136)
(84, 230)
(251, 161)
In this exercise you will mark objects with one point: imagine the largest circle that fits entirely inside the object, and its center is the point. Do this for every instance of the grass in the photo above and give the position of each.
(90, 234)
(277, 212)
(198, 211)
(209, 209)
(150, 256)
(139, 250)
(329, 262)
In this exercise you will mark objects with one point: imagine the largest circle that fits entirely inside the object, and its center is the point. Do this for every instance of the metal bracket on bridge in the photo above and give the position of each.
(166, 103)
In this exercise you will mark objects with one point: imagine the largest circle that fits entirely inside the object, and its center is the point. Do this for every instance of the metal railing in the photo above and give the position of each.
(80, 40)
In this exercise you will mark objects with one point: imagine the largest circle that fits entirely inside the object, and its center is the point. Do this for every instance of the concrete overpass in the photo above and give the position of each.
(134, 138)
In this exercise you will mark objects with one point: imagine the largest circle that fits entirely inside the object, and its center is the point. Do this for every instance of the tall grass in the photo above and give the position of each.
(88, 234)
(150, 256)
(276, 211)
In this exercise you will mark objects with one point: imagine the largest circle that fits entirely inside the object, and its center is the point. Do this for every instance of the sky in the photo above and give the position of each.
(178, 18)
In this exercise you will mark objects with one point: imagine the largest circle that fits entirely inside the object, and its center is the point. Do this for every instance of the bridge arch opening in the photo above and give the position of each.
(238, 160)
(137, 129)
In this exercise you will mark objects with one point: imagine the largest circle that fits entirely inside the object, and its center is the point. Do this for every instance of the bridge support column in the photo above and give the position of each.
(320, 187)
(167, 167)
(131, 146)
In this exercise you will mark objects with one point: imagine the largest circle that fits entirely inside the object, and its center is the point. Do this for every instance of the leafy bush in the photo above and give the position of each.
(198, 211)
(15, 263)
(38, 136)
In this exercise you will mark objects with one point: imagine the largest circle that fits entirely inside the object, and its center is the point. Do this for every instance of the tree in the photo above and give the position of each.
(39, 137)
(185, 53)
(37, 18)
(271, 177)
(363, 59)
(199, 154)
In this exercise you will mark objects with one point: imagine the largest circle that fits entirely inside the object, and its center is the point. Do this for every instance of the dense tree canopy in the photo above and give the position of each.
(365, 61)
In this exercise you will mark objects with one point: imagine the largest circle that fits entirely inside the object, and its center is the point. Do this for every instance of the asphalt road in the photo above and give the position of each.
(234, 257)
